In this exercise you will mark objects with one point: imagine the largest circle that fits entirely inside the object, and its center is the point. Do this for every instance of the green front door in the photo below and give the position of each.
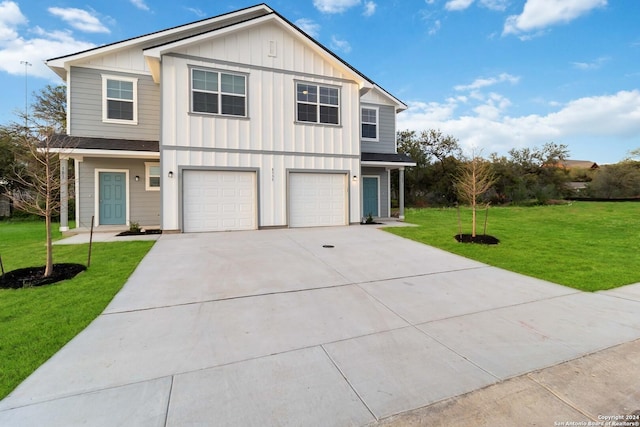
(370, 197)
(113, 198)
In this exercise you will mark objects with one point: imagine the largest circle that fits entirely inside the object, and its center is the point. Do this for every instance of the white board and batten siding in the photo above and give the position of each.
(269, 139)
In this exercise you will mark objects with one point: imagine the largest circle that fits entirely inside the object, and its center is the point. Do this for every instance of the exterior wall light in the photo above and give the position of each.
(355, 178)
(137, 178)
(170, 174)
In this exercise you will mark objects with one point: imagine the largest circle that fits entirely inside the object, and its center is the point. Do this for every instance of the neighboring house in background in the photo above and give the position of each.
(240, 121)
(579, 164)
(577, 187)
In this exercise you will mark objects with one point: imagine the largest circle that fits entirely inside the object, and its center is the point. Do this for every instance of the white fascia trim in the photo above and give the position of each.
(116, 154)
(65, 62)
(388, 164)
(400, 106)
(158, 51)
(153, 55)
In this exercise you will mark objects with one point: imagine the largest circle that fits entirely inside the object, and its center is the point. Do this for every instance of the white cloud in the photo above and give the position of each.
(369, 8)
(308, 26)
(10, 19)
(499, 5)
(334, 6)
(36, 50)
(539, 14)
(140, 4)
(493, 108)
(591, 65)
(458, 4)
(199, 13)
(435, 27)
(79, 19)
(340, 45)
(42, 45)
(485, 82)
(607, 116)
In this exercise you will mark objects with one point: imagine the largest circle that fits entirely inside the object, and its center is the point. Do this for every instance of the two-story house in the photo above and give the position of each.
(241, 121)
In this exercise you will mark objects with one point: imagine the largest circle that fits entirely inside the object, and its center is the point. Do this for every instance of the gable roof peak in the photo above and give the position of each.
(60, 64)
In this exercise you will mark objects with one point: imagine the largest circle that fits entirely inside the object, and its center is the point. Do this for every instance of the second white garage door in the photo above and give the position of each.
(219, 200)
(317, 199)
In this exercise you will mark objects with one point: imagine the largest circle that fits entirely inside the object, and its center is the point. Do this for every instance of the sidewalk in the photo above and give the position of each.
(103, 236)
(598, 388)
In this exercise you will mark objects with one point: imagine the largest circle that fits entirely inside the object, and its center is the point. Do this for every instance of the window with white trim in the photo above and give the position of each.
(214, 92)
(151, 176)
(369, 120)
(120, 99)
(317, 104)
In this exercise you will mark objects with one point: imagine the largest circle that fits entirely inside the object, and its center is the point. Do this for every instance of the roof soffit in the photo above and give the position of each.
(378, 95)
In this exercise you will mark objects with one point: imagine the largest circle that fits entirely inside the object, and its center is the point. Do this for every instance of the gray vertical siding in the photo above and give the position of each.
(86, 107)
(386, 131)
(144, 205)
(384, 187)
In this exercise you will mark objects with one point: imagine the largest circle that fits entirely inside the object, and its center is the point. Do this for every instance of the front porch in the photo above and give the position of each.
(377, 186)
(117, 183)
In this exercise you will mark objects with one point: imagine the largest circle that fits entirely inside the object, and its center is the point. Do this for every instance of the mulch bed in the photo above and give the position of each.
(32, 276)
(481, 239)
(139, 233)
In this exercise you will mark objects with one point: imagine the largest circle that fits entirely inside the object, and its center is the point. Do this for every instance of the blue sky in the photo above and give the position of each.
(496, 74)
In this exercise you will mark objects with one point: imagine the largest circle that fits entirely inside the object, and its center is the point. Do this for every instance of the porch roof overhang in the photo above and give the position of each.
(73, 146)
(387, 160)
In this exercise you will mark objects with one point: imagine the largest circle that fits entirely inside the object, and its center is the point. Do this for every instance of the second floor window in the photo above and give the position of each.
(218, 93)
(119, 99)
(369, 120)
(317, 104)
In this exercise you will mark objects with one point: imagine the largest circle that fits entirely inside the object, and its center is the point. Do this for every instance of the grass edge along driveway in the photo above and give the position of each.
(589, 246)
(37, 322)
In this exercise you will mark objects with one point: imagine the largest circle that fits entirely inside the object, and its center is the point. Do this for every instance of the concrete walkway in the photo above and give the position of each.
(273, 328)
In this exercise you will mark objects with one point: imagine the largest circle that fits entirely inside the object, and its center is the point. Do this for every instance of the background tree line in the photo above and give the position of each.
(524, 176)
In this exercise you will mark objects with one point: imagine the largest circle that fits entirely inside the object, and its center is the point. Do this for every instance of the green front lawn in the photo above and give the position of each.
(585, 245)
(36, 322)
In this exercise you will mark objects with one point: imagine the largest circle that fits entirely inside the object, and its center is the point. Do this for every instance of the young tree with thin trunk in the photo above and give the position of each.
(475, 178)
(35, 182)
(38, 179)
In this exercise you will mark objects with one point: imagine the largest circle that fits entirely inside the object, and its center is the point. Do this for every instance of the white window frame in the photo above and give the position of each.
(318, 104)
(219, 93)
(377, 123)
(105, 99)
(148, 175)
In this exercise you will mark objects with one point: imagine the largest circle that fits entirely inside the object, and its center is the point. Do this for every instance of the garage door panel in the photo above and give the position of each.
(317, 199)
(219, 200)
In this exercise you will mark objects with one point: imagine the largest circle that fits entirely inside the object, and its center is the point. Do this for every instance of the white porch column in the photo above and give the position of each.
(401, 193)
(64, 194)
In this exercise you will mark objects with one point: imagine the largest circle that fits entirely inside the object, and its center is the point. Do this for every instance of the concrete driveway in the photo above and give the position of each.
(273, 328)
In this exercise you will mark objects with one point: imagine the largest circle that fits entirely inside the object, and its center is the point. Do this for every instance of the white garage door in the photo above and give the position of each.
(219, 200)
(317, 199)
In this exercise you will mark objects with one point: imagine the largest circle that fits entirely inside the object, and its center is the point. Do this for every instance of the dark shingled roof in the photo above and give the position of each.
(84, 143)
(386, 157)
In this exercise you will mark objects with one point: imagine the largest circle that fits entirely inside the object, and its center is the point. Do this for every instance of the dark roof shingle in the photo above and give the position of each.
(85, 143)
